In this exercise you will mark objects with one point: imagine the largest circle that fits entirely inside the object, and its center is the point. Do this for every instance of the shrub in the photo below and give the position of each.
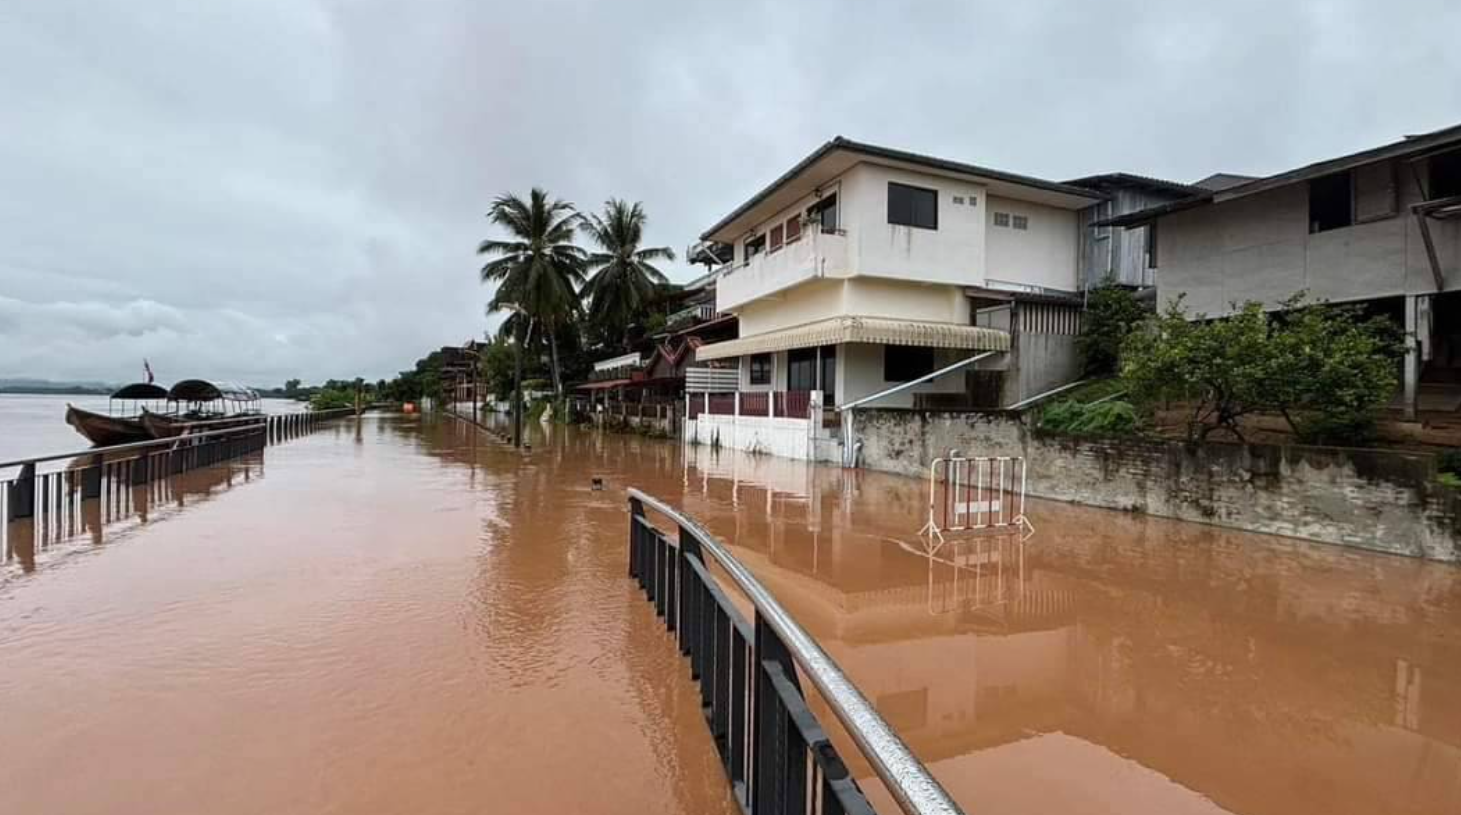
(1449, 462)
(1325, 369)
(1112, 311)
(1111, 418)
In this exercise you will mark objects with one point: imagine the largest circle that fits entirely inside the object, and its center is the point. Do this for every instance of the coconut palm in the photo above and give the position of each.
(626, 279)
(539, 268)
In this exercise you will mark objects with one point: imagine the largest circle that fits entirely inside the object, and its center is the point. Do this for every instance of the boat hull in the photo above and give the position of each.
(161, 426)
(103, 430)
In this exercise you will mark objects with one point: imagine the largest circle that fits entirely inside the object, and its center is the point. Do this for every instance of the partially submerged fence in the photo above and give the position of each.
(48, 493)
(775, 752)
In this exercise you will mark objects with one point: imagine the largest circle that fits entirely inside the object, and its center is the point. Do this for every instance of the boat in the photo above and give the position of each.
(118, 425)
(202, 405)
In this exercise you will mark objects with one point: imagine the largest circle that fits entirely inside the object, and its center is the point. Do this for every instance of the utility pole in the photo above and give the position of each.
(517, 393)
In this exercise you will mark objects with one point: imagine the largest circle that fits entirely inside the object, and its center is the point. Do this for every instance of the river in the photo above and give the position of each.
(405, 615)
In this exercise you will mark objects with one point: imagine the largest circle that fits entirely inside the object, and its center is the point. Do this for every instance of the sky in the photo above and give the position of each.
(270, 189)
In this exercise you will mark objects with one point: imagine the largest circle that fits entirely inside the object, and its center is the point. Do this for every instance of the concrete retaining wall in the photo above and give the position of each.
(1378, 500)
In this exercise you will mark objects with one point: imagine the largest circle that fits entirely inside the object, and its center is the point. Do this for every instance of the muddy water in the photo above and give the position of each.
(413, 618)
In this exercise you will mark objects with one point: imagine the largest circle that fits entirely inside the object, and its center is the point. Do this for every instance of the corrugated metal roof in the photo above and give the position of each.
(1104, 180)
(1408, 146)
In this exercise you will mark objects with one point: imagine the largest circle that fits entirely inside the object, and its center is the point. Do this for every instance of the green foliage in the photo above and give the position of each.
(1110, 418)
(539, 269)
(1112, 311)
(332, 398)
(1450, 480)
(291, 387)
(625, 280)
(1324, 368)
(1449, 462)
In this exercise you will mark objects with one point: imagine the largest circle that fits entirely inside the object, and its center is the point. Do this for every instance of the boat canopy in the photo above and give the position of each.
(141, 391)
(201, 390)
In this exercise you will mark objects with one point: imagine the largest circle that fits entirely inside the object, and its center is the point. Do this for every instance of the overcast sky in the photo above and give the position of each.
(278, 188)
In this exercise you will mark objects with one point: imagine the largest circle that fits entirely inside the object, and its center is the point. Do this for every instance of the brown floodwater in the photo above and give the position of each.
(409, 617)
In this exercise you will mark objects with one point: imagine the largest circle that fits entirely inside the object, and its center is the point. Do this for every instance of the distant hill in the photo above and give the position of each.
(49, 386)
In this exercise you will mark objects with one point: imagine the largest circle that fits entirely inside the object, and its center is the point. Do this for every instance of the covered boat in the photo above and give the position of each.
(122, 422)
(198, 402)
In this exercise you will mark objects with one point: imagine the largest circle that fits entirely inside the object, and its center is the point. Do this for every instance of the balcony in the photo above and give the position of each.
(815, 254)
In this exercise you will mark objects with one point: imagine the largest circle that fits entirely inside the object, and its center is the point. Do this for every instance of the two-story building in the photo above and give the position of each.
(860, 267)
(1380, 227)
(864, 268)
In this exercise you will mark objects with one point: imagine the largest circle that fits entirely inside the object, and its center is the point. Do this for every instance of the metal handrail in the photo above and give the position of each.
(132, 445)
(915, 790)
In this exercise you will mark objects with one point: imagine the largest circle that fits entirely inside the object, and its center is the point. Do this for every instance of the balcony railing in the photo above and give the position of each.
(815, 254)
(776, 405)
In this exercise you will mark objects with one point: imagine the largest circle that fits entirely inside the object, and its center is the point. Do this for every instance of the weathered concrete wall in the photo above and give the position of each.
(1378, 500)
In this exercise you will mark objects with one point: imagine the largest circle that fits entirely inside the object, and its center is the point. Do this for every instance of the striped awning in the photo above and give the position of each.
(877, 330)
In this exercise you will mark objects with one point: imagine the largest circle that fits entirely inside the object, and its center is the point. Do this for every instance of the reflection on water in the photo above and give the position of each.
(409, 616)
(1116, 663)
(64, 524)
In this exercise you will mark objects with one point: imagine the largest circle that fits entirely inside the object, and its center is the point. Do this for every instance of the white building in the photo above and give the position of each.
(863, 267)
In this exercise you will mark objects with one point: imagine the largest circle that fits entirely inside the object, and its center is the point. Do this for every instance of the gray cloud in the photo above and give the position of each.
(295, 187)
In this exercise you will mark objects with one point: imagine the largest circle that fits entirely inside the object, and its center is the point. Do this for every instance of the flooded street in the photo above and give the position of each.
(410, 617)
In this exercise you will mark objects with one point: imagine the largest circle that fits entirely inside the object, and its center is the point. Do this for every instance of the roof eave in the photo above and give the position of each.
(872, 151)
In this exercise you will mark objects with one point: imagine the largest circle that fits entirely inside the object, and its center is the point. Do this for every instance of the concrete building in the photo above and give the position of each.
(1380, 227)
(863, 268)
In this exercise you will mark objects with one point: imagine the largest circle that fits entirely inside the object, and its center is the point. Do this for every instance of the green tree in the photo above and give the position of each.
(1111, 312)
(539, 268)
(625, 279)
(1325, 369)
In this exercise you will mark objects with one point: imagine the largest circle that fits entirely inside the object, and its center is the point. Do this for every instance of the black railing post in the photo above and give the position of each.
(91, 478)
(21, 494)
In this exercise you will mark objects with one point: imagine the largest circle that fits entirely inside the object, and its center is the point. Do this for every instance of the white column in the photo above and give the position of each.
(1412, 358)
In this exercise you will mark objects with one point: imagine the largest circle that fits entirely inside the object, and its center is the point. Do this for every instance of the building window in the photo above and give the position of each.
(801, 369)
(825, 213)
(902, 363)
(1001, 219)
(761, 369)
(755, 246)
(1019, 222)
(912, 206)
(1445, 173)
(1151, 245)
(1331, 202)
(958, 199)
(793, 228)
(777, 237)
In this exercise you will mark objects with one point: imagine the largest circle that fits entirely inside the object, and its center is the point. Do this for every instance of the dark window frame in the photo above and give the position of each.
(760, 369)
(1443, 175)
(777, 238)
(1331, 202)
(793, 229)
(754, 246)
(905, 363)
(824, 210)
(911, 206)
(1002, 220)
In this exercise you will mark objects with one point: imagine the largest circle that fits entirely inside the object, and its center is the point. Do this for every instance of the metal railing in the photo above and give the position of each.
(776, 754)
(774, 404)
(976, 493)
(29, 492)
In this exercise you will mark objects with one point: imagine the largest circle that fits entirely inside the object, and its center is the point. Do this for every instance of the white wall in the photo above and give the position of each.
(866, 297)
(860, 373)
(1044, 255)
(953, 253)
(1259, 248)
(788, 438)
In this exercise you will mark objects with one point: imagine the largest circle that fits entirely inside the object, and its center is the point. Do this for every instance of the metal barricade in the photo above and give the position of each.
(976, 493)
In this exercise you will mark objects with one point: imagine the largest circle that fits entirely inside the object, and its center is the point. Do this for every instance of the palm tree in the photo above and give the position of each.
(626, 279)
(539, 269)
